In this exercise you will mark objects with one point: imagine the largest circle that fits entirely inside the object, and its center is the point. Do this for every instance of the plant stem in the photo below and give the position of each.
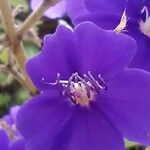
(14, 37)
(17, 48)
(35, 15)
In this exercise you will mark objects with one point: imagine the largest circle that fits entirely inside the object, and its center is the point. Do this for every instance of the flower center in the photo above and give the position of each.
(145, 25)
(80, 90)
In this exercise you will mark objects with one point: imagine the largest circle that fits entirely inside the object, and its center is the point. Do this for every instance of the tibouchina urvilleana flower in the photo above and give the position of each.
(10, 138)
(89, 99)
(107, 13)
(73, 8)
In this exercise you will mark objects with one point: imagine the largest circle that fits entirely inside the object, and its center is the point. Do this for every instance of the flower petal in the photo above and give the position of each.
(56, 11)
(103, 52)
(18, 145)
(40, 120)
(126, 104)
(104, 20)
(58, 56)
(11, 117)
(4, 141)
(8, 119)
(13, 112)
(88, 130)
(141, 60)
(76, 8)
(114, 6)
(108, 21)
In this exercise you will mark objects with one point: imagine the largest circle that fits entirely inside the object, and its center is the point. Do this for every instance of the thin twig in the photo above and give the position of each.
(35, 16)
(1, 48)
(3, 68)
(17, 48)
(31, 20)
(16, 74)
(17, 10)
(14, 37)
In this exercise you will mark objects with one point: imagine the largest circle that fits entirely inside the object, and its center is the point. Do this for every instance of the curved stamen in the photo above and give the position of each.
(86, 85)
(95, 82)
(52, 83)
(67, 89)
(79, 90)
(145, 9)
(145, 25)
(103, 83)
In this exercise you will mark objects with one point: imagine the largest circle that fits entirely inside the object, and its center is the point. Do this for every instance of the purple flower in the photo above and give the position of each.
(6, 144)
(89, 99)
(11, 117)
(71, 7)
(10, 138)
(107, 14)
(75, 8)
(3, 140)
(56, 11)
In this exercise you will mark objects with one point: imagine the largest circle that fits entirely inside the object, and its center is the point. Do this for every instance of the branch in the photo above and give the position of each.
(35, 16)
(3, 68)
(30, 21)
(9, 69)
(16, 74)
(17, 48)
(14, 37)
(1, 48)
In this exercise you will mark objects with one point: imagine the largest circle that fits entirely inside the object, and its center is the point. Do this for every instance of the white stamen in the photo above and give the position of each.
(123, 22)
(145, 26)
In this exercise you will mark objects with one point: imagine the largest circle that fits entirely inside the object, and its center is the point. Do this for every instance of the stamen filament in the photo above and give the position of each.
(79, 90)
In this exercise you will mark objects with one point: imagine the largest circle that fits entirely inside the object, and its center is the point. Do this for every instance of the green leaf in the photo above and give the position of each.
(30, 48)
(4, 99)
(21, 95)
(19, 2)
(130, 144)
(4, 56)
(5, 79)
